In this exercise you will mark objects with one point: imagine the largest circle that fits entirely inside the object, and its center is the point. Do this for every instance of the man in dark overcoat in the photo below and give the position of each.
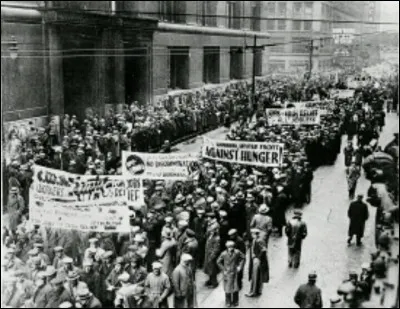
(358, 213)
(258, 266)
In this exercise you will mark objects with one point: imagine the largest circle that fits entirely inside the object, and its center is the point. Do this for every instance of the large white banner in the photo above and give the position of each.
(173, 166)
(324, 106)
(293, 116)
(342, 94)
(87, 203)
(248, 153)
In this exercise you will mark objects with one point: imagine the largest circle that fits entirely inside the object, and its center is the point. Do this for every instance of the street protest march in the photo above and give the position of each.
(324, 106)
(172, 166)
(293, 116)
(86, 203)
(248, 153)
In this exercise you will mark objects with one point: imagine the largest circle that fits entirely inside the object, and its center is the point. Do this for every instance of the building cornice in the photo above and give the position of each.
(189, 29)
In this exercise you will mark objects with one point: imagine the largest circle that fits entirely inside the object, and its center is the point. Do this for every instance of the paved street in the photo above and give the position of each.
(325, 249)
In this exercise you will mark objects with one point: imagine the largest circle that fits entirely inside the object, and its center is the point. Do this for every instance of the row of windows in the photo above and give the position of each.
(299, 9)
(283, 25)
(179, 63)
(174, 11)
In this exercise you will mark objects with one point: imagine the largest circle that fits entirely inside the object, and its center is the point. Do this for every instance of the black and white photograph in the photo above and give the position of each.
(200, 154)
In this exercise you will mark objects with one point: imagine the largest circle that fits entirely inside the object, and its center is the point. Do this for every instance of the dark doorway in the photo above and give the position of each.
(80, 79)
(136, 81)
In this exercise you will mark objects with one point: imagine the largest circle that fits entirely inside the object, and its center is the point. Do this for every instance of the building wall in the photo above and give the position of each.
(284, 56)
(197, 42)
(23, 78)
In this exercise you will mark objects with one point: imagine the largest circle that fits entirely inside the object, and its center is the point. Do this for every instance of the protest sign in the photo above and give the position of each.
(102, 200)
(324, 106)
(248, 153)
(177, 166)
(92, 216)
(293, 116)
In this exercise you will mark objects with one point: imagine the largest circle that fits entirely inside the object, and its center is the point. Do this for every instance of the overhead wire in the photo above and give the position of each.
(132, 14)
(177, 48)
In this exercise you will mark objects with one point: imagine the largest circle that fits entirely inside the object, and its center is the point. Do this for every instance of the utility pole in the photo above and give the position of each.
(253, 86)
(310, 58)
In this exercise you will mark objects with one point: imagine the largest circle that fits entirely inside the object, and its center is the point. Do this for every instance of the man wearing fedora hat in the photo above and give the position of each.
(200, 228)
(91, 277)
(263, 222)
(73, 283)
(86, 299)
(251, 210)
(309, 295)
(167, 252)
(358, 214)
(296, 231)
(112, 282)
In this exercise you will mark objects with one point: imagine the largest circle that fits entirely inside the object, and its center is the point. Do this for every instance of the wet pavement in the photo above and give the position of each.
(325, 250)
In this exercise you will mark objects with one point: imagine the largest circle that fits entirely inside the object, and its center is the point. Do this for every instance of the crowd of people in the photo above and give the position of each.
(213, 223)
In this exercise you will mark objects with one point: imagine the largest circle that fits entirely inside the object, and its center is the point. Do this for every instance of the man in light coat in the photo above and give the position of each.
(183, 282)
(167, 252)
(231, 263)
(296, 231)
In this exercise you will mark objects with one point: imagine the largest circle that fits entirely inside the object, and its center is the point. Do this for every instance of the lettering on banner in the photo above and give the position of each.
(257, 154)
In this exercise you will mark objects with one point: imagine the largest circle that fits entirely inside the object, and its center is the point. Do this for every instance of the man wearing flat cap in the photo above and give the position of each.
(309, 295)
(59, 256)
(158, 287)
(212, 251)
(191, 246)
(200, 227)
(231, 263)
(258, 266)
(181, 237)
(59, 294)
(183, 282)
(296, 232)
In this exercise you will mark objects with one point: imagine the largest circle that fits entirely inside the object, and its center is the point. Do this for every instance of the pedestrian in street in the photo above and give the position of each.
(184, 284)
(241, 246)
(263, 222)
(309, 295)
(211, 255)
(231, 263)
(358, 214)
(296, 231)
(258, 266)
(158, 287)
(353, 174)
(348, 152)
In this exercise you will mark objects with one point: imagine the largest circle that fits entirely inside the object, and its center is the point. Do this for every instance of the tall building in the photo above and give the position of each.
(201, 42)
(77, 57)
(292, 21)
